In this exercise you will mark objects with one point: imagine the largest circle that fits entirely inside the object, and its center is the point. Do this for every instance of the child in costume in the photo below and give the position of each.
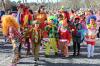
(36, 40)
(10, 29)
(91, 36)
(52, 37)
(76, 36)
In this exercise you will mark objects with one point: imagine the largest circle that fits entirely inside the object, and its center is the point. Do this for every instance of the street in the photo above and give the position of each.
(82, 60)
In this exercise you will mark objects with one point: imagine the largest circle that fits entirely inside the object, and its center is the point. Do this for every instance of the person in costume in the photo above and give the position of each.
(91, 36)
(64, 36)
(36, 40)
(10, 28)
(52, 28)
(76, 36)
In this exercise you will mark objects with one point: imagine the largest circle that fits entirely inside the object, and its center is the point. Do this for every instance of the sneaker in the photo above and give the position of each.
(74, 54)
(36, 59)
(46, 56)
(88, 56)
(56, 53)
(78, 54)
(92, 56)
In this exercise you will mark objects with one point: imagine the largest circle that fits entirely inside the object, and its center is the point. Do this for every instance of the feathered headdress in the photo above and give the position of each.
(7, 21)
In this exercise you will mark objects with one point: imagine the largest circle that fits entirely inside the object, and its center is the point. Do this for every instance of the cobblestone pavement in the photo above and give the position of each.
(82, 60)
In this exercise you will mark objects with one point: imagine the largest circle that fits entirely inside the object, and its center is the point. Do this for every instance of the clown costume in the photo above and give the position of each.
(91, 36)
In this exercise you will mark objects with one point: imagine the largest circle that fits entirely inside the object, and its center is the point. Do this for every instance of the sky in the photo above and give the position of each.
(38, 0)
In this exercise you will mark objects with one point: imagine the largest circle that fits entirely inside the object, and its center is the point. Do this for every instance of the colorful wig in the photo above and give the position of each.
(91, 17)
(7, 21)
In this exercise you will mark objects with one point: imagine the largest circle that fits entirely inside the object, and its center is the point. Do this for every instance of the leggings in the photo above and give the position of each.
(90, 49)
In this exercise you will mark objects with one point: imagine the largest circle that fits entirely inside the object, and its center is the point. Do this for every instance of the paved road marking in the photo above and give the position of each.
(5, 60)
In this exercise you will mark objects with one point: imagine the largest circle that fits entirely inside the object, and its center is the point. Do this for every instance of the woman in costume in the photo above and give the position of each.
(91, 36)
(10, 28)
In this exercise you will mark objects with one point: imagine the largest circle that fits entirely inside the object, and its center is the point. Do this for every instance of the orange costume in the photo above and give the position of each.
(41, 17)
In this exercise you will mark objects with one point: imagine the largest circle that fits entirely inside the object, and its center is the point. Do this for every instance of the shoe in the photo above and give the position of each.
(88, 56)
(56, 54)
(78, 54)
(66, 56)
(46, 56)
(74, 54)
(36, 59)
